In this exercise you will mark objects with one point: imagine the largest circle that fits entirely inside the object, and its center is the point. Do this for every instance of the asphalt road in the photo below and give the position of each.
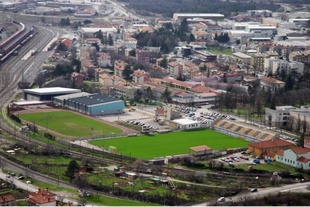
(297, 187)
(28, 187)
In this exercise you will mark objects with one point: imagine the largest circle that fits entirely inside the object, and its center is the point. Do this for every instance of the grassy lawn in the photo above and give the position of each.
(110, 201)
(69, 123)
(108, 180)
(218, 51)
(173, 143)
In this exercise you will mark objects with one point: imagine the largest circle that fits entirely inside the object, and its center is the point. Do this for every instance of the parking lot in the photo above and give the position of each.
(241, 158)
(136, 116)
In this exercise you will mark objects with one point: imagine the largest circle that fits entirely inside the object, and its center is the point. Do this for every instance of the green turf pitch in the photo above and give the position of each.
(174, 143)
(71, 124)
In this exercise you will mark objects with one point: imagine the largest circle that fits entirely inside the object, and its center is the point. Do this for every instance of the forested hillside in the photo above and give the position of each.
(168, 7)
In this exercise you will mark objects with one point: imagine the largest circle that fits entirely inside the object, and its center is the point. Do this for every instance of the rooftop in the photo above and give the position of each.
(75, 95)
(200, 148)
(271, 144)
(94, 99)
(52, 90)
(184, 121)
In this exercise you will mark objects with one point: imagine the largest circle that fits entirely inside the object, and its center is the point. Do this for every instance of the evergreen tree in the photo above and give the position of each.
(71, 169)
(216, 37)
(289, 83)
(127, 72)
(301, 140)
(191, 38)
(166, 95)
(164, 63)
(110, 40)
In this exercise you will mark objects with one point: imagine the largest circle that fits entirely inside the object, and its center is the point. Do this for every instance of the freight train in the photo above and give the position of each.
(11, 46)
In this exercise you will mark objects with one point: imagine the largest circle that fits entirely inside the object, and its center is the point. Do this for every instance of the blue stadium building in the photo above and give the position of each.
(92, 104)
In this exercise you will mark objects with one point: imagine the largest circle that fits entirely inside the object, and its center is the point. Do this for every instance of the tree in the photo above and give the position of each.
(203, 68)
(127, 72)
(110, 40)
(289, 83)
(99, 35)
(149, 93)
(191, 38)
(132, 53)
(216, 37)
(87, 21)
(65, 22)
(71, 169)
(166, 95)
(164, 63)
(301, 140)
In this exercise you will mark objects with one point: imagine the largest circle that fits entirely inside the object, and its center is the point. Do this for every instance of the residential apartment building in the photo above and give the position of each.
(300, 120)
(140, 76)
(300, 56)
(104, 59)
(277, 65)
(119, 67)
(271, 83)
(257, 61)
(147, 55)
(278, 117)
(126, 92)
(174, 69)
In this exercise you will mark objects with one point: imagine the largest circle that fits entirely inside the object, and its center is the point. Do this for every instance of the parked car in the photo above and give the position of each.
(254, 190)
(21, 177)
(256, 161)
(221, 199)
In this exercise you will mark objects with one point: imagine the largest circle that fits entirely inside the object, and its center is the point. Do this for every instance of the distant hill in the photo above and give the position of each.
(167, 8)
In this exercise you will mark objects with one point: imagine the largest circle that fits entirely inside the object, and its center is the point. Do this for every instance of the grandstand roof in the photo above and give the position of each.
(94, 99)
(185, 121)
(52, 90)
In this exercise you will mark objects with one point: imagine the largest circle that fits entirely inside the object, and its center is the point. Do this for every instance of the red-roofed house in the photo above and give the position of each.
(260, 149)
(77, 78)
(297, 157)
(7, 200)
(67, 42)
(42, 198)
(140, 76)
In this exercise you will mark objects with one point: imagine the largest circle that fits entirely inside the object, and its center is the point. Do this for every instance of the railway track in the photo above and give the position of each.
(11, 76)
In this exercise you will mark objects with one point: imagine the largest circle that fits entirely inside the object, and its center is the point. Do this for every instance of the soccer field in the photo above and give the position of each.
(71, 124)
(174, 143)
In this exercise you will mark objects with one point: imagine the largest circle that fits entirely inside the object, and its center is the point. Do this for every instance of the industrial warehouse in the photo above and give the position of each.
(93, 105)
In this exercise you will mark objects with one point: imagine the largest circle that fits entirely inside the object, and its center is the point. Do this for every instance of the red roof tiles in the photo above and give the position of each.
(271, 144)
(303, 159)
(200, 148)
(300, 150)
